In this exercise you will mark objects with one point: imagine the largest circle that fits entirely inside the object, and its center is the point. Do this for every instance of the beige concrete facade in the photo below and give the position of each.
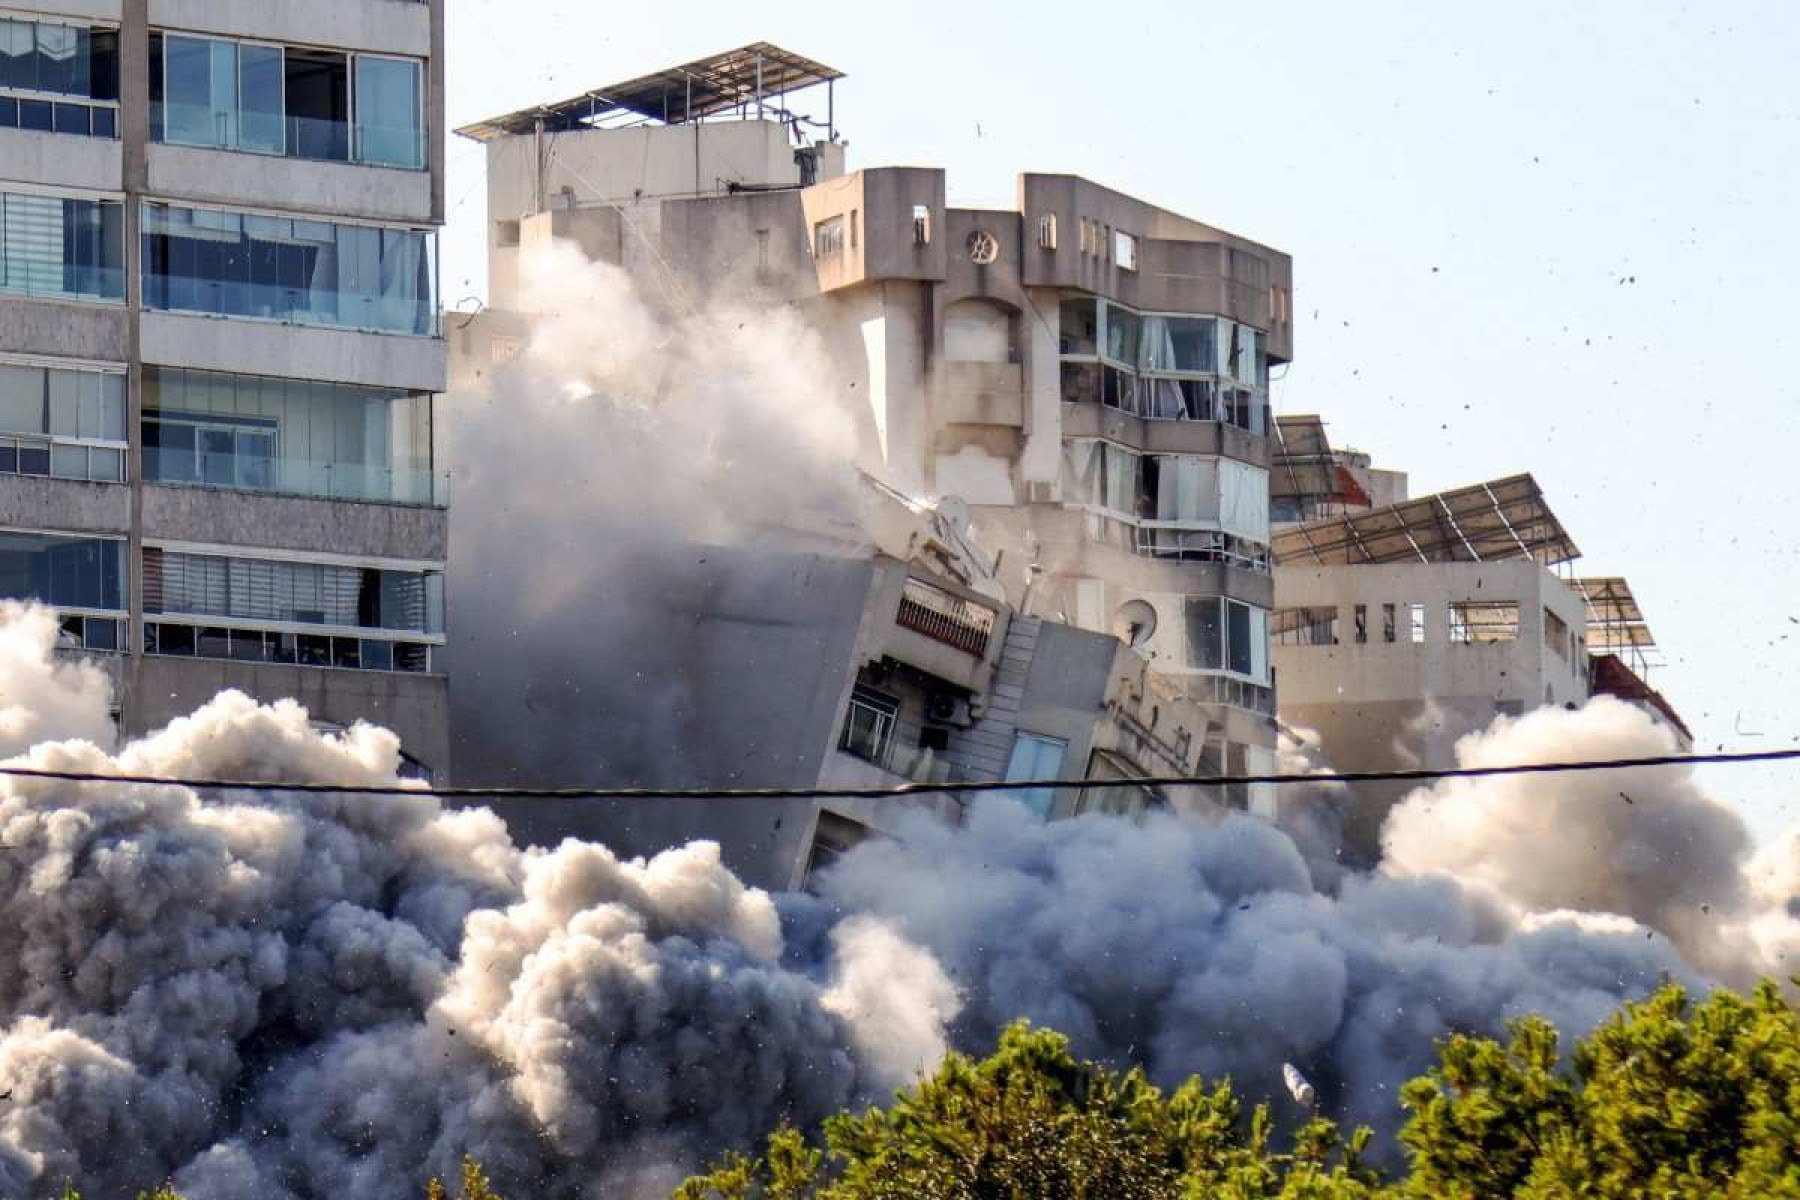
(945, 322)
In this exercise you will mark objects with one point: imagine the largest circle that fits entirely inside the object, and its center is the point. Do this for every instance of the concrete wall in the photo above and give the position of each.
(58, 329)
(294, 351)
(386, 26)
(218, 516)
(737, 678)
(413, 706)
(228, 177)
(1521, 671)
(61, 161)
(64, 505)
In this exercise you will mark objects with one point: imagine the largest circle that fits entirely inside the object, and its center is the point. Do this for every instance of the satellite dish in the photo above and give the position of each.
(1135, 623)
(954, 511)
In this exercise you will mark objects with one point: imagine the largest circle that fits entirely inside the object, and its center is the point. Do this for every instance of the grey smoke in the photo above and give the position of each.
(295, 995)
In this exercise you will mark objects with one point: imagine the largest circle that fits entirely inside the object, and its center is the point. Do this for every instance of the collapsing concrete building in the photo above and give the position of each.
(1402, 626)
(1082, 380)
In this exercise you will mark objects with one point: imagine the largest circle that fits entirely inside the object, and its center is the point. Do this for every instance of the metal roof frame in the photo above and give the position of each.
(1615, 622)
(749, 76)
(1504, 519)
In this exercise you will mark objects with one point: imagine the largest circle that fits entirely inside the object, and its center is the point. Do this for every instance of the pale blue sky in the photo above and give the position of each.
(1463, 187)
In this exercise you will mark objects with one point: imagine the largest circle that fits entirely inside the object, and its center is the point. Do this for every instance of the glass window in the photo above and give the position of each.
(869, 726)
(307, 272)
(199, 91)
(1122, 334)
(54, 246)
(389, 122)
(64, 570)
(1180, 344)
(1036, 757)
(262, 122)
(1206, 634)
(1239, 655)
(313, 439)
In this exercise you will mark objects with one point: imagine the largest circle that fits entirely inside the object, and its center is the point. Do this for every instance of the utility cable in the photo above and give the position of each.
(814, 792)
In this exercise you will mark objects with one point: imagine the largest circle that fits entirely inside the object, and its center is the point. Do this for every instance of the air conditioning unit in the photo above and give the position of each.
(948, 708)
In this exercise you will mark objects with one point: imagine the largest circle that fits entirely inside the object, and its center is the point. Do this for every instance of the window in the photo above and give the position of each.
(277, 590)
(855, 221)
(1305, 627)
(1187, 344)
(1046, 233)
(1557, 636)
(1361, 617)
(1227, 635)
(1472, 622)
(359, 611)
(292, 101)
(828, 238)
(64, 570)
(57, 78)
(869, 726)
(1079, 325)
(1415, 616)
(506, 233)
(1125, 248)
(1387, 623)
(1132, 801)
(1035, 757)
(305, 272)
(66, 423)
(340, 441)
(56, 246)
(921, 224)
(390, 126)
(833, 837)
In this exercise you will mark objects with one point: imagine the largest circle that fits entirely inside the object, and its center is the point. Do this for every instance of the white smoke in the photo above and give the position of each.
(1648, 844)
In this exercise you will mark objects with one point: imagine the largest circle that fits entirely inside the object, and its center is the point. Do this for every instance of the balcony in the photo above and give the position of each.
(945, 618)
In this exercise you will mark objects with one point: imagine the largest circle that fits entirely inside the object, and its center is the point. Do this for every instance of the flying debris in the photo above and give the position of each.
(1298, 1086)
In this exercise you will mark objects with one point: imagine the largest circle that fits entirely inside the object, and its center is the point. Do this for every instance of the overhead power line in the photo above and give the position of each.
(814, 792)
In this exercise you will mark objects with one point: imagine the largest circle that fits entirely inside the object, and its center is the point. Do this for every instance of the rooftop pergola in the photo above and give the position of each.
(752, 80)
(1506, 519)
(1615, 623)
(1304, 466)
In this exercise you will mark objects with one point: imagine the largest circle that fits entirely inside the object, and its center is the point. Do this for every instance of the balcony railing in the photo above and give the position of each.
(945, 618)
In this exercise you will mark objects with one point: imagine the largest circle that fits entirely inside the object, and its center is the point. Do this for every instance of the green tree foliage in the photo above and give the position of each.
(1668, 1100)
(1032, 1121)
(475, 1185)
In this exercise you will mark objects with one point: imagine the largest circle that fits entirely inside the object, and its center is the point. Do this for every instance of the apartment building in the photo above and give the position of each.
(219, 348)
(1085, 374)
(1403, 623)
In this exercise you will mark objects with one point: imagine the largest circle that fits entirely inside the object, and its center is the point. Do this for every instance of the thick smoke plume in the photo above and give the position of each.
(302, 996)
(601, 475)
(282, 995)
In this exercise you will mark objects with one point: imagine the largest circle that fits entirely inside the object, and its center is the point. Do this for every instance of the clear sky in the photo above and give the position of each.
(1537, 235)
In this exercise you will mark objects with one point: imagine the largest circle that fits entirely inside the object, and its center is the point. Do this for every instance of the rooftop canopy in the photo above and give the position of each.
(1615, 623)
(1489, 522)
(746, 79)
(1304, 465)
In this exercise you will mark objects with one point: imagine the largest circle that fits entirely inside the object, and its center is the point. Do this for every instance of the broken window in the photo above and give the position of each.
(833, 837)
(1305, 626)
(1556, 635)
(1473, 622)
(921, 223)
(1080, 325)
(1362, 624)
(1387, 623)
